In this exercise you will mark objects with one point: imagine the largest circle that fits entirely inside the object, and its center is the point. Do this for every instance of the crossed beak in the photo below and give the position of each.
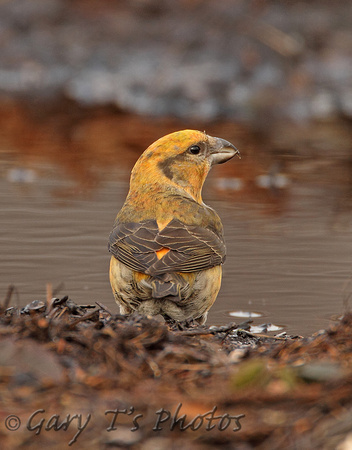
(222, 151)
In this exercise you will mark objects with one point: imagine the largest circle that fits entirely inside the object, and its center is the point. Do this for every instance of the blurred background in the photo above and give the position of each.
(86, 86)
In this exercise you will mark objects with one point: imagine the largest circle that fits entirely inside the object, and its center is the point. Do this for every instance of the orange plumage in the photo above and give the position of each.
(167, 246)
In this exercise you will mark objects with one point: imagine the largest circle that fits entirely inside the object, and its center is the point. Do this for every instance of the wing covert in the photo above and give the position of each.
(192, 248)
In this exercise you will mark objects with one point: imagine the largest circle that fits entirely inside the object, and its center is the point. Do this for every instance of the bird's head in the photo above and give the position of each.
(181, 160)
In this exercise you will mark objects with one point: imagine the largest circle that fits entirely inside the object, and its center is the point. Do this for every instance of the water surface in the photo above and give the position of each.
(289, 247)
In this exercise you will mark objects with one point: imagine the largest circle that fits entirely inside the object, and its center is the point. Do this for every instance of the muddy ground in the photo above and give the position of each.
(81, 376)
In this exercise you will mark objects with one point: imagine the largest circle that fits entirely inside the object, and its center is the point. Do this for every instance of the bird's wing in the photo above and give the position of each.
(134, 244)
(191, 247)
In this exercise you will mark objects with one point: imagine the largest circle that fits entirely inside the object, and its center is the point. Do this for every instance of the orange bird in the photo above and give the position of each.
(167, 246)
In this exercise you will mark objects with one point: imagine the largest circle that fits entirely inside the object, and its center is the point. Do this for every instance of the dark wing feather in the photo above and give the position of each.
(134, 244)
(192, 248)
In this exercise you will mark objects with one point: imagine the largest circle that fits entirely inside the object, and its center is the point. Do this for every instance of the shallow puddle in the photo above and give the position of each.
(289, 247)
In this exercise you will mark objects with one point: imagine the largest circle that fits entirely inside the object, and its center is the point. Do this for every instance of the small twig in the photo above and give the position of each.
(198, 332)
(8, 297)
(275, 338)
(226, 334)
(104, 308)
(53, 311)
(50, 305)
(49, 293)
(58, 289)
(83, 318)
(194, 332)
(260, 335)
(62, 313)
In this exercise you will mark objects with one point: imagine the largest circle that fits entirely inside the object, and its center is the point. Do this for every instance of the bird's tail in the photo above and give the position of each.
(168, 286)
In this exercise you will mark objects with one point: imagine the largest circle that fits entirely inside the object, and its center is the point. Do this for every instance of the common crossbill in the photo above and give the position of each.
(167, 246)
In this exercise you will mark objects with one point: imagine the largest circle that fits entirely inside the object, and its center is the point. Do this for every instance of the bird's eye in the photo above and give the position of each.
(194, 149)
